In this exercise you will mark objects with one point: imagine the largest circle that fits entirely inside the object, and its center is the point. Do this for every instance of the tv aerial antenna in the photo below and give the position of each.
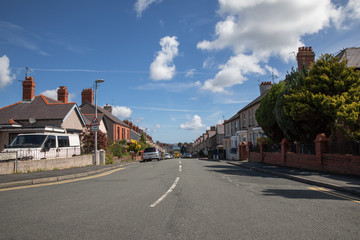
(27, 71)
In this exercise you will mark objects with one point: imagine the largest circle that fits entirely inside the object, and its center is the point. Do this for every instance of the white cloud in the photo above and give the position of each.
(6, 77)
(156, 127)
(141, 5)
(272, 70)
(256, 30)
(190, 73)
(209, 62)
(169, 86)
(121, 111)
(193, 124)
(50, 93)
(233, 73)
(18, 36)
(162, 68)
(53, 94)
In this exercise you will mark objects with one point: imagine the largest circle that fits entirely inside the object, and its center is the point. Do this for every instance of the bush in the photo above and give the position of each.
(109, 158)
(117, 149)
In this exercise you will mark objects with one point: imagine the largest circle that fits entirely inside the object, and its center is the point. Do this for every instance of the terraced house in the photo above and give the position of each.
(116, 129)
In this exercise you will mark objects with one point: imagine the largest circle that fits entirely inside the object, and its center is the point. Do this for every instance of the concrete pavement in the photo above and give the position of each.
(22, 179)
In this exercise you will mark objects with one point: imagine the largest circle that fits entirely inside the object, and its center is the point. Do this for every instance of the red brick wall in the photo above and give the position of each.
(346, 164)
(301, 161)
(255, 157)
(335, 163)
(272, 158)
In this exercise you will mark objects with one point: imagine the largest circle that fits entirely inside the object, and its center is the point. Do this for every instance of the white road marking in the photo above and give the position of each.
(165, 195)
(180, 168)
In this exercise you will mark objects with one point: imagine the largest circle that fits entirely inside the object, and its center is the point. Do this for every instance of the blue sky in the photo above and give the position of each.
(174, 67)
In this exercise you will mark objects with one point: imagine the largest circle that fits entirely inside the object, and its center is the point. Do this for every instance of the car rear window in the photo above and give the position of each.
(152, 149)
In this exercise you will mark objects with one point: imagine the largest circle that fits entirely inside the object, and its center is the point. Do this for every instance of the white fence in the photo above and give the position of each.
(36, 154)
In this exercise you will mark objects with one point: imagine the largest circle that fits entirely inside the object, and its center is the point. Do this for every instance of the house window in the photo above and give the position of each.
(128, 136)
(118, 133)
(253, 112)
(123, 134)
(250, 117)
(244, 120)
(236, 125)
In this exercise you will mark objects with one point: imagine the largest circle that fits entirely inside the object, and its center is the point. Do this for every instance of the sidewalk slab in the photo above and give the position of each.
(14, 180)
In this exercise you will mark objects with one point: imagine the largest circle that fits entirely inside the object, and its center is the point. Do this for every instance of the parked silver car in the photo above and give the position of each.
(151, 153)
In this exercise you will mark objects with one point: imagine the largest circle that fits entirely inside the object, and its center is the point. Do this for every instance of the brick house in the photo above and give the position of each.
(39, 114)
(116, 129)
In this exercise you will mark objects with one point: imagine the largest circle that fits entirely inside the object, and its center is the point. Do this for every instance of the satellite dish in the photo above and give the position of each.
(32, 120)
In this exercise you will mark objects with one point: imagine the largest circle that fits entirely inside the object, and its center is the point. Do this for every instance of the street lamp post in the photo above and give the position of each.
(96, 83)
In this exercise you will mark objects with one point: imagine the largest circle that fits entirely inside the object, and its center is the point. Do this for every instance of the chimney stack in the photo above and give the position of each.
(264, 87)
(28, 89)
(87, 95)
(63, 94)
(305, 56)
(108, 108)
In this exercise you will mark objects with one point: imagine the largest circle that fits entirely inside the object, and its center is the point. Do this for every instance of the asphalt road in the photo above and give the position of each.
(178, 199)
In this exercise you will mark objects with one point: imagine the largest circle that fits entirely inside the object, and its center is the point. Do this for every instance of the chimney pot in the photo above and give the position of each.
(108, 108)
(63, 94)
(305, 56)
(87, 95)
(28, 89)
(264, 87)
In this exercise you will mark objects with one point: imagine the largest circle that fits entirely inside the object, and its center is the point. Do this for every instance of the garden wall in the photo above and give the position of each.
(320, 161)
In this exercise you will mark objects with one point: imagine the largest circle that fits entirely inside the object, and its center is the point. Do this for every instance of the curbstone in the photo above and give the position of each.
(16, 184)
(44, 180)
(60, 178)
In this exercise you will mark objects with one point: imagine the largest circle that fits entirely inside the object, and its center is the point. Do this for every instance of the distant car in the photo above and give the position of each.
(167, 156)
(187, 155)
(151, 153)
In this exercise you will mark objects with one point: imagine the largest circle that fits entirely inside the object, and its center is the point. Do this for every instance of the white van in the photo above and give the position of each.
(44, 145)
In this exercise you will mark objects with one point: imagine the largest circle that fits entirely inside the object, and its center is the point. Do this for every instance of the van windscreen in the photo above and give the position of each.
(27, 141)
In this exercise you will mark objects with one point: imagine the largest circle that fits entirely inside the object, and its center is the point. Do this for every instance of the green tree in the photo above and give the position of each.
(288, 126)
(316, 104)
(348, 115)
(265, 114)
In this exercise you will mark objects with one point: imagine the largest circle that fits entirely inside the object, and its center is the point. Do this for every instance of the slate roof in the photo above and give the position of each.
(252, 103)
(90, 116)
(352, 55)
(88, 108)
(41, 108)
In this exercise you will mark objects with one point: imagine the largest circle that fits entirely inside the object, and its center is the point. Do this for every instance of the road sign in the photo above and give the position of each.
(95, 128)
(94, 122)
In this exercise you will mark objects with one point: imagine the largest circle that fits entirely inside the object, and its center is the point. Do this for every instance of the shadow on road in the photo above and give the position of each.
(255, 176)
(300, 194)
(235, 170)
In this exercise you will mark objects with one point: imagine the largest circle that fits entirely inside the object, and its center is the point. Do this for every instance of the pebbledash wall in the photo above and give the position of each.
(320, 161)
(46, 164)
